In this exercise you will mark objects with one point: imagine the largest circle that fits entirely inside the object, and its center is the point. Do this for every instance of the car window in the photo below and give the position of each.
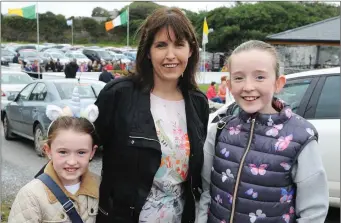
(13, 78)
(85, 90)
(39, 92)
(293, 92)
(328, 105)
(25, 93)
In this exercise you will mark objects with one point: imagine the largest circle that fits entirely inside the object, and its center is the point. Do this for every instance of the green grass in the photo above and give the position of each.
(5, 209)
(204, 87)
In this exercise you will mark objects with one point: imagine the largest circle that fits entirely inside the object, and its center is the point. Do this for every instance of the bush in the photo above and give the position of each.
(121, 72)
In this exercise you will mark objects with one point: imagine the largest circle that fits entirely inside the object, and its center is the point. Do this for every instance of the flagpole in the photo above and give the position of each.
(72, 32)
(37, 16)
(128, 27)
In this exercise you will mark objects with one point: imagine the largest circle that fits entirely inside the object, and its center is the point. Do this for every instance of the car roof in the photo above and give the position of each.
(12, 72)
(326, 71)
(69, 80)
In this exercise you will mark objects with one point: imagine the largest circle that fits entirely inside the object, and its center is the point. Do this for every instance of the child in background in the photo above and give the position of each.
(262, 165)
(70, 146)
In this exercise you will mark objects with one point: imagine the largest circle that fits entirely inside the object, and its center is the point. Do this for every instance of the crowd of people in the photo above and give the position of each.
(162, 159)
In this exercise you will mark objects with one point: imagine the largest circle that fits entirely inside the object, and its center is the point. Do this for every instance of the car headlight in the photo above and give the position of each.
(2, 58)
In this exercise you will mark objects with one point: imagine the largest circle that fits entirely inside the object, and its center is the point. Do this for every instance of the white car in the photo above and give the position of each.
(12, 82)
(78, 55)
(119, 56)
(56, 55)
(314, 95)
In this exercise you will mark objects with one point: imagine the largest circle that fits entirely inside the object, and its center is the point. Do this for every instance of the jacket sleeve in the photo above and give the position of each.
(312, 199)
(205, 198)
(25, 207)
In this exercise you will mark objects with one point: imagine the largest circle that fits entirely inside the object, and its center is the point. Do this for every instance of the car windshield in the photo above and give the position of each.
(79, 56)
(86, 90)
(14, 78)
(57, 55)
(28, 53)
(103, 53)
(6, 53)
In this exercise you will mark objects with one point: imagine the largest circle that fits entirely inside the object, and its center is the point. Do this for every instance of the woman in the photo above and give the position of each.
(153, 125)
(222, 89)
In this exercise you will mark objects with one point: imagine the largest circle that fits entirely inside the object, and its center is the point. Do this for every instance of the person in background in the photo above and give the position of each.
(212, 94)
(89, 66)
(59, 66)
(109, 66)
(71, 69)
(16, 58)
(106, 76)
(222, 89)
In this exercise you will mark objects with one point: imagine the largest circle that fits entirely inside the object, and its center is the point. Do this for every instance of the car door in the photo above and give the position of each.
(323, 111)
(33, 107)
(15, 109)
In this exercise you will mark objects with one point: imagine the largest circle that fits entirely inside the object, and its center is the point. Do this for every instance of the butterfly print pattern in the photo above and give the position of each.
(254, 216)
(252, 193)
(235, 130)
(225, 152)
(274, 130)
(261, 170)
(227, 174)
(283, 143)
(286, 217)
(285, 165)
(286, 196)
(218, 199)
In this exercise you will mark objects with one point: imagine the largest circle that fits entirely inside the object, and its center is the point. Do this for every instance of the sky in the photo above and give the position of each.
(69, 9)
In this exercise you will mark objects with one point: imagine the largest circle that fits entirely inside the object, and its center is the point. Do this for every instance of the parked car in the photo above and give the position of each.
(6, 56)
(12, 82)
(314, 95)
(25, 115)
(51, 55)
(131, 55)
(79, 56)
(118, 57)
(29, 56)
(97, 54)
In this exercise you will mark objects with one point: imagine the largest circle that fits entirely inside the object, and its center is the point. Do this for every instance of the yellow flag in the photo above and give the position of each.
(205, 33)
(18, 12)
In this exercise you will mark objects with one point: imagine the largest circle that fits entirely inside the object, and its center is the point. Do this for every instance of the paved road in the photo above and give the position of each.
(20, 164)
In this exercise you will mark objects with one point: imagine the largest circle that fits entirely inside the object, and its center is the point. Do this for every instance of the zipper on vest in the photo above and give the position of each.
(240, 171)
(138, 137)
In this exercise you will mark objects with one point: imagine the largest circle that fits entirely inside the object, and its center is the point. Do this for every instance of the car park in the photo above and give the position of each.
(25, 115)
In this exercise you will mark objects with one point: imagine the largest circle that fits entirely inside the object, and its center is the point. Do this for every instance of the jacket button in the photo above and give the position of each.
(132, 141)
(92, 210)
(62, 216)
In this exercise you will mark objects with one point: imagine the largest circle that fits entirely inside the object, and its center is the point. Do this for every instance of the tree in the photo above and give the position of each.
(100, 12)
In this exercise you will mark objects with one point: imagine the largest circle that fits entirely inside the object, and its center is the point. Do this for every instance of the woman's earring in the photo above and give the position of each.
(182, 75)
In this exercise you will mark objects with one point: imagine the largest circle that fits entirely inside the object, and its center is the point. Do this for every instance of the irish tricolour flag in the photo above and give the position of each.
(120, 20)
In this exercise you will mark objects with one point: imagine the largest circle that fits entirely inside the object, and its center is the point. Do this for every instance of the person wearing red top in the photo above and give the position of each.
(212, 94)
(109, 66)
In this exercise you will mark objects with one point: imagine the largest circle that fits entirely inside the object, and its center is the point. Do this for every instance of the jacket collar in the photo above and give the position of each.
(283, 115)
(89, 185)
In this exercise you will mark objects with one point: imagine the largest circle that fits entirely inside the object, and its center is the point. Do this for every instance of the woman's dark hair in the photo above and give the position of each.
(171, 18)
(81, 125)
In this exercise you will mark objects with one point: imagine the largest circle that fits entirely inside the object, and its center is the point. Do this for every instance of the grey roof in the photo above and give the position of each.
(326, 30)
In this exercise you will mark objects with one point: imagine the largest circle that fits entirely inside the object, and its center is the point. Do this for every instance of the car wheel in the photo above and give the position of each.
(38, 140)
(7, 129)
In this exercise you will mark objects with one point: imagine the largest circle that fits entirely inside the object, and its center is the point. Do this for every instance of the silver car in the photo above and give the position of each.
(25, 115)
(11, 83)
